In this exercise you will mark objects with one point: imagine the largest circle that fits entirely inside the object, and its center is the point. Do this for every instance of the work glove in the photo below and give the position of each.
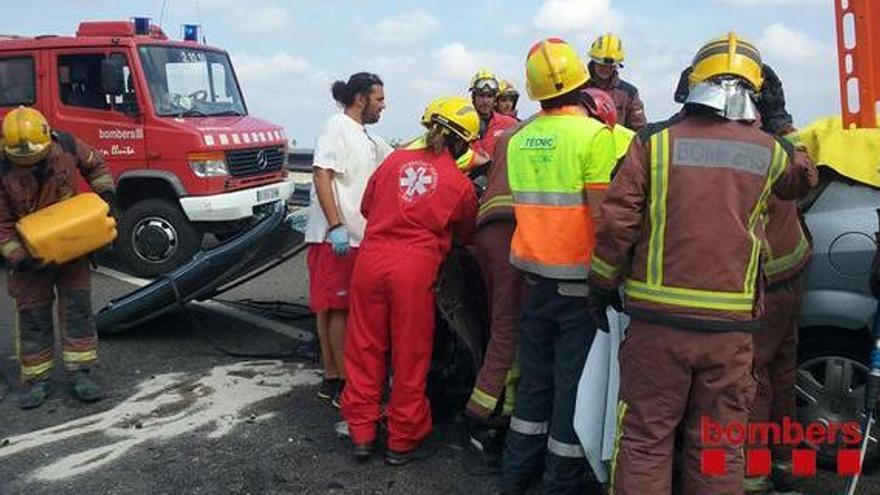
(338, 237)
(598, 300)
(109, 197)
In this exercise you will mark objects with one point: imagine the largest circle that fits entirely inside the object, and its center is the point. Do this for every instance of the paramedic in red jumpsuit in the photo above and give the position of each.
(414, 204)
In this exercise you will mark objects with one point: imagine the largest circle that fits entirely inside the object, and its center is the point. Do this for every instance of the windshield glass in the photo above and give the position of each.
(191, 82)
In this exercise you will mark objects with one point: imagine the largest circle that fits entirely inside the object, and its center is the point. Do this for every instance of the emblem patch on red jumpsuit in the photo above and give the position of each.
(417, 180)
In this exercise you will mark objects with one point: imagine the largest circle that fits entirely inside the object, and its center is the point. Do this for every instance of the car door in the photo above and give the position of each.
(106, 122)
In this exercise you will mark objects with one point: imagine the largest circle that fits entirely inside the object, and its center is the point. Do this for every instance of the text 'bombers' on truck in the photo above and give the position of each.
(169, 118)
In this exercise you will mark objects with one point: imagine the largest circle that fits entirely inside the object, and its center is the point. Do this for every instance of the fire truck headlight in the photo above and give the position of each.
(208, 164)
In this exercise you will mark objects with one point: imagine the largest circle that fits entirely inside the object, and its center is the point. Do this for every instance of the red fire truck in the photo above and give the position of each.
(169, 118)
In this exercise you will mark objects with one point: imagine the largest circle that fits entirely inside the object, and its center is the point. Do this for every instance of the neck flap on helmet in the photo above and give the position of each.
(729, 97)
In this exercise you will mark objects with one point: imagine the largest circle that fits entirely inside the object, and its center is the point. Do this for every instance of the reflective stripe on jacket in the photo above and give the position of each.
(551, 162)
(496, 203)
(787, 249)
(681, 221)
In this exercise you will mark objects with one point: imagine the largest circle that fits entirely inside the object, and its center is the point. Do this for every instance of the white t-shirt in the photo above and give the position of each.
(354, 153)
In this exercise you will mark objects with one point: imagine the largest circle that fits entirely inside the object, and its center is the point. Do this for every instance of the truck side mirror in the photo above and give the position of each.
(112, 77)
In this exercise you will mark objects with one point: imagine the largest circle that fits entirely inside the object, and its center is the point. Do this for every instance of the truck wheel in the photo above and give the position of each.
(155, 237)
(832, 368)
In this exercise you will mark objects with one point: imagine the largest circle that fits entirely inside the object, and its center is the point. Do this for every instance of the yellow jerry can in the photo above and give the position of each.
(68, 229)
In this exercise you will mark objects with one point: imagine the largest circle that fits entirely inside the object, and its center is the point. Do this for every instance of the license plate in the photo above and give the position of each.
(270, 194)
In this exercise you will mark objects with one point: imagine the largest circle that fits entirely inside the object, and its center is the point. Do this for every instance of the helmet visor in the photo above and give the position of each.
(486, 85)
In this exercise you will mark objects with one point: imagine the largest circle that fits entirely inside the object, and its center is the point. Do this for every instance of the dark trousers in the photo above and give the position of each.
(556, 334)
(496, 381)
(34, 295)
(669, 376)
(776, 360)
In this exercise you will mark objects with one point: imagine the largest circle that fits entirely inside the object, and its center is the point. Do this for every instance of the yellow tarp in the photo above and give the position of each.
(853, 153)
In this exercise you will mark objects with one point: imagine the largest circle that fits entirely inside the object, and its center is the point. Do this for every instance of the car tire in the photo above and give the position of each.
(155, 237)
(832, 369)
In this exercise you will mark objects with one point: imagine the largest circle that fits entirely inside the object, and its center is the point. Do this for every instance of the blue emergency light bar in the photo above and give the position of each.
(141, 25)
(191, 32)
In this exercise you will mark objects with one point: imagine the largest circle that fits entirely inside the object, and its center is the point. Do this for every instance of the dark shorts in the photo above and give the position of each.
(329, 277)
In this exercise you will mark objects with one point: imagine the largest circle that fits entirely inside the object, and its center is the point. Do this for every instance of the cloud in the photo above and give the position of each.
(807, 67)
(771, 3)
(286, 89)
(260, 19)
(586, 17)
(404, 28)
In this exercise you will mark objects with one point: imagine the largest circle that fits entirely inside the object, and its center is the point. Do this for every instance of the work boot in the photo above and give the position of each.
(424, 450)
(757, 485)
(783, 478)
(34, 394)
(84, 388)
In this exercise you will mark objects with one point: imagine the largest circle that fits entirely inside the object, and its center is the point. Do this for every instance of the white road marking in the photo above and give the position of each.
(163, 408)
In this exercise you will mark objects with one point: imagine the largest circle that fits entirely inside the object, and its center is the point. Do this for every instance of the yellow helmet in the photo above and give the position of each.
(26, 136)
(484, 80)
(507, 88)
(458, 115)
(728, 55)
(553, 68)
(607, 50)
(431, 109)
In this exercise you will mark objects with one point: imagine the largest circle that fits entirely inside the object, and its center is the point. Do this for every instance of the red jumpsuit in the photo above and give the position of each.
(413, 204)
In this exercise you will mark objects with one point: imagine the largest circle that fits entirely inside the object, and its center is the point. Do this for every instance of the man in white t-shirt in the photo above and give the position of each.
(346, 154)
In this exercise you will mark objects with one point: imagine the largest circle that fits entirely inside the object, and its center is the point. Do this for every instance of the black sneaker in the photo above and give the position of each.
(363, 451)
(328, 388)
(34, 394)
(337, 397)
(489, 442)
(424, 450)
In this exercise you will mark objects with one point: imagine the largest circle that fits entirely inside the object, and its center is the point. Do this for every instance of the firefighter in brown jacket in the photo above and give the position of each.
(40, 168)
(606, 59)
(786, 252)
(491, 403)
(680, 230)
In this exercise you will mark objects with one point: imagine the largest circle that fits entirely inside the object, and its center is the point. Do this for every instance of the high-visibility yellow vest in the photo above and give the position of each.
(551, 161)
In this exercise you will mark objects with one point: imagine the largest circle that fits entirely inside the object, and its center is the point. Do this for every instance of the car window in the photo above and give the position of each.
(17, 81)
(79, 81)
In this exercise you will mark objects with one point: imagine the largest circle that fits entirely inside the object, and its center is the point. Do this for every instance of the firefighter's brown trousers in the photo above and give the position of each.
(669, 375)
(34, 294)
(493, 393)
(776, 360)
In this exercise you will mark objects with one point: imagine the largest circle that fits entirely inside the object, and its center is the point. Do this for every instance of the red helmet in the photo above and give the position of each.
(599, 105)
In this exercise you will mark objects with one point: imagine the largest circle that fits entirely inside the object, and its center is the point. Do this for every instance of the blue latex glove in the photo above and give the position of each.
(875, 359)
(339, 239)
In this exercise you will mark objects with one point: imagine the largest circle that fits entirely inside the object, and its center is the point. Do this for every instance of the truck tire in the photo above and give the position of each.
(832, 367)
(155, 237)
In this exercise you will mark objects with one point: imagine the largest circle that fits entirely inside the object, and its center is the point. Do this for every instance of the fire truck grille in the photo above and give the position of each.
(254, 161)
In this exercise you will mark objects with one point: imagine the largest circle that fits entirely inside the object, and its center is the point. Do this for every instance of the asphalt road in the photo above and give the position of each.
(182, 417)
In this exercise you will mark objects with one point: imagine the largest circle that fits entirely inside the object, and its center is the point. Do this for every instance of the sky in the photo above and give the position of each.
(288, 53)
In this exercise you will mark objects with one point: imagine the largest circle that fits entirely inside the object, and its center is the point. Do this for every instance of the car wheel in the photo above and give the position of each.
(832, 369)
(155, 237)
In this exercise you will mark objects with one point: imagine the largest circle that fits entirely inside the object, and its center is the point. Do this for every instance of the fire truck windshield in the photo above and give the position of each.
(190, 82)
